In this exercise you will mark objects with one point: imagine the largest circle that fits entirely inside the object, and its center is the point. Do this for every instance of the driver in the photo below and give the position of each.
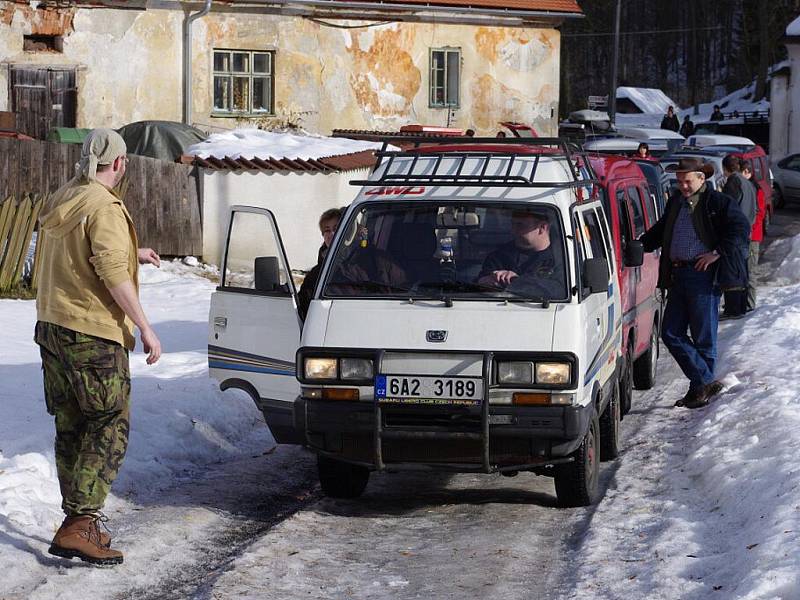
(529, 257)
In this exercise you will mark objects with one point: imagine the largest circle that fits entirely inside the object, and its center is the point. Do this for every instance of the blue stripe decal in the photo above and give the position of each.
(234, 366)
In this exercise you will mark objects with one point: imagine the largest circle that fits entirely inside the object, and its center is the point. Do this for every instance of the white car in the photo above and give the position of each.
(409, 358)
(703, 140)
(659, 140)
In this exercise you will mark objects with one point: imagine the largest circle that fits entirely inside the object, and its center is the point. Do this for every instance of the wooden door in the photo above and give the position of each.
(43, 98)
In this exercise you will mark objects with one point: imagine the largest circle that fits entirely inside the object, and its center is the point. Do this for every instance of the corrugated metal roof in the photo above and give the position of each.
(329, 164)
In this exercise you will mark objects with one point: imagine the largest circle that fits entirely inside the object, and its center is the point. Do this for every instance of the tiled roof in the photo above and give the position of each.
(329, 164)
(540, 6)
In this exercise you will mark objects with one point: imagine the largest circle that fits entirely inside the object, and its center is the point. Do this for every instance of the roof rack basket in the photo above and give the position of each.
(426, 147)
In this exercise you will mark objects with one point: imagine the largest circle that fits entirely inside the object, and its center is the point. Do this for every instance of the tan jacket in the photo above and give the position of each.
(88, 244)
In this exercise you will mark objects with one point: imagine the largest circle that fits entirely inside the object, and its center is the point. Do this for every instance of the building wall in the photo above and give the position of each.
(779, 122)
(794, 94)
(370, 77)
(297, 201)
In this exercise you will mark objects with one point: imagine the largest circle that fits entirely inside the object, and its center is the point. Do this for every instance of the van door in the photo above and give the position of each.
(600, 312)
(254, 328)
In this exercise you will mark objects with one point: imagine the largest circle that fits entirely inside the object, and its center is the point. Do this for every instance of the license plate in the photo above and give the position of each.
(409, 389)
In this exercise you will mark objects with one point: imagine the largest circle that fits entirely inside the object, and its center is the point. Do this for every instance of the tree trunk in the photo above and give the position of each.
(763, 50)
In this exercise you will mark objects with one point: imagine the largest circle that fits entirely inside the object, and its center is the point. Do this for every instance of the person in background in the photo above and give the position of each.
(741, 190)
(87, 304)
(328, 223)
(687, 127)
(501, 134)
(703, 235)
(756, 235)
(670, 120)
(469, 133)
(643, 151)
(717, 114)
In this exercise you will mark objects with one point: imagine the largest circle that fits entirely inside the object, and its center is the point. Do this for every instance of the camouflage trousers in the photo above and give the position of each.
(87, 389)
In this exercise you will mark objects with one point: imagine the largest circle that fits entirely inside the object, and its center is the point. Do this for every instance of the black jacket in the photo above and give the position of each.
(687, 129)
(670, 123)
(720, 224)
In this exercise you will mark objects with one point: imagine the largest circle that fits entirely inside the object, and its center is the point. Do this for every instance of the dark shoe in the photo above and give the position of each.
(697, 398)
(682, 401)
(713, 388)
(78, 537)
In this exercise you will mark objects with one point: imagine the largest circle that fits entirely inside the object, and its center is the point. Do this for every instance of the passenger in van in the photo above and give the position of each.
(529, 258)
(643, 151)
(328, 223)
(704, 236)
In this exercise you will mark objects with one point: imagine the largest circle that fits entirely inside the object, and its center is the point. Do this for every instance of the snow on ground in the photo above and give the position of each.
(794, 27)
(180, 421)
(257, 143)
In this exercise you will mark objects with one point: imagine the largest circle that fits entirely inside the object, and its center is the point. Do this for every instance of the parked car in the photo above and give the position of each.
(631, 210)
(786, 183)
(660, 141)
(405, 360)
(753, 125)
(701, 141)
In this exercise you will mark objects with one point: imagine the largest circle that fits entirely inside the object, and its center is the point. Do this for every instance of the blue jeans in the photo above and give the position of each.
(693, 304)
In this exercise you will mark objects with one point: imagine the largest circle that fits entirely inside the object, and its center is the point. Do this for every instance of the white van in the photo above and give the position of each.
(415, 353)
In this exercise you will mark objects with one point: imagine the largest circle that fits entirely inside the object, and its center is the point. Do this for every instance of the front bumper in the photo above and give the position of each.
(455, 438)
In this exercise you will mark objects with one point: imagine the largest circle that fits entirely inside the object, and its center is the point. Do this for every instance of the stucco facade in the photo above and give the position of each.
(128, 66)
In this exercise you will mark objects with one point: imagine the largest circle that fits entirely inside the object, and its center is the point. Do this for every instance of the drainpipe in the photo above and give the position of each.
(187, 61)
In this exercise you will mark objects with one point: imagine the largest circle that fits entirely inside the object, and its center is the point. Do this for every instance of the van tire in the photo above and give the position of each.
(340, 479)
(645, 368)
(609, 426)
(578, 482)
(626, 381)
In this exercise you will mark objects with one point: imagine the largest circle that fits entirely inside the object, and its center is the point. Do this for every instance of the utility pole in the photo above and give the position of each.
(612, 94)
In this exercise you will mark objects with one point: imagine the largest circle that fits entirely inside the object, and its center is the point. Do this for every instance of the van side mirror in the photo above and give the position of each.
(595, 275)
(267, 274)
(634, 253)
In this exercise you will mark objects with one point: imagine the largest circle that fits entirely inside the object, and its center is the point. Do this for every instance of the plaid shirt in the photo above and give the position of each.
(686, 245)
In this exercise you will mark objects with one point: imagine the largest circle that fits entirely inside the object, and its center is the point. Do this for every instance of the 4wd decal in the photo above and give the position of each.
(396, 191)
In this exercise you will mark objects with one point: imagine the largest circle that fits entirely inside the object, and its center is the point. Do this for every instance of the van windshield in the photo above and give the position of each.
(434, 250)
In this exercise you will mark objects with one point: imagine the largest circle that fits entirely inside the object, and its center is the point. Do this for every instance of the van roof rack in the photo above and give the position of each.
(426, 146)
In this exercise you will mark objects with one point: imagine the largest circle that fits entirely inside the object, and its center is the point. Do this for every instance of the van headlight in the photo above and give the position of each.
(515, 372)
(320, 368)
(553, 373)
(355, 368)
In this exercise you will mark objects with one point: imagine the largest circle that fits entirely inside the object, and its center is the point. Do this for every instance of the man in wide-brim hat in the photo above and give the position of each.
(704, 238)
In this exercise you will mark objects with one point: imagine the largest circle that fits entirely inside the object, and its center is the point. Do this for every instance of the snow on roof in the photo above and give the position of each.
(257, 143)
(649, 100)
(793, 28)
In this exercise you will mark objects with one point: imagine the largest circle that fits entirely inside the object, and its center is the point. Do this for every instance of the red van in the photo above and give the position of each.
(631, 210)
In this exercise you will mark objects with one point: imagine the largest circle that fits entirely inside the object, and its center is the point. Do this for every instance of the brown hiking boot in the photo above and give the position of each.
(78, 537)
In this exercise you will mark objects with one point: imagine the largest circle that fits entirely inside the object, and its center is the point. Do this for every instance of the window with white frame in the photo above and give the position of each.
(445, 77)
(243, 82)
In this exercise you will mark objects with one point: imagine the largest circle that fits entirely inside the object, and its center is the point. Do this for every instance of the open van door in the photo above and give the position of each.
(253, 325)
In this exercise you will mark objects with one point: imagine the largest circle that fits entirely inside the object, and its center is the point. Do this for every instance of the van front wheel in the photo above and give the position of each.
(340, 479)
(577, 482)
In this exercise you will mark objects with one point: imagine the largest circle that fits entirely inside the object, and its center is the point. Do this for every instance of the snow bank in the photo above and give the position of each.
(705, 503)
(257, 143)
(180, 421)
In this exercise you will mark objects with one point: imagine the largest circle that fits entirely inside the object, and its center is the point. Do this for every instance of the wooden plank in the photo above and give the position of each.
(36, 206)
(10, 256)
(7, 211)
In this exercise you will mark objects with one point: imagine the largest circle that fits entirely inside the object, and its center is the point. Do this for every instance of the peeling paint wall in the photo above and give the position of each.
(325, 78)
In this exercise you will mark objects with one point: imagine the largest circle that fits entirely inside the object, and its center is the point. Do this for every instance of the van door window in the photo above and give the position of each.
(624, 220)
(649, 205)
(254, 260)
(636, 210)
(602, 226)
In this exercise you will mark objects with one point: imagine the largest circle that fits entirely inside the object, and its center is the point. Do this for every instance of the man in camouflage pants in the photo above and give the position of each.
(87, 304)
